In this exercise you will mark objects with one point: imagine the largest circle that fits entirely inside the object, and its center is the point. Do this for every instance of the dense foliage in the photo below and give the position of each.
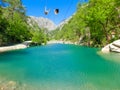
(14, 27)
(95, 23)
(39, 36)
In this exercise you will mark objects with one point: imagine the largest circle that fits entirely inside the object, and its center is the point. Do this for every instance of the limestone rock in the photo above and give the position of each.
(106, 49)
(112, 47)
(41, 22)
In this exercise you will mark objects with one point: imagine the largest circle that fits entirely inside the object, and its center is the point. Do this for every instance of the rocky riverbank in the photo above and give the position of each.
(61, 42)
(15, 47)
(112, 47)
(30, 43)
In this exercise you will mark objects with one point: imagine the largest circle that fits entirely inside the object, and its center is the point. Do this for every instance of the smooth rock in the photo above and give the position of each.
(112, 47)
(106, 49)
(116, 43)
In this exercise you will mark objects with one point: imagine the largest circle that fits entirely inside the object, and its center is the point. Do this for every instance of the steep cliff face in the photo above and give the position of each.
(42, 22)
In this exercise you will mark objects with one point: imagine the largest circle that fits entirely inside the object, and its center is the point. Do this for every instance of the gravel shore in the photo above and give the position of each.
(15, 47)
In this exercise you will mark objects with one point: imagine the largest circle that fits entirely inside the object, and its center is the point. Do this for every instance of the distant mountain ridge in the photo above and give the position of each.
(42, 22)
(47, 23)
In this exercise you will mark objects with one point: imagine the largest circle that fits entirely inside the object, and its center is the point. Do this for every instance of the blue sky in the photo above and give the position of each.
(66, 8)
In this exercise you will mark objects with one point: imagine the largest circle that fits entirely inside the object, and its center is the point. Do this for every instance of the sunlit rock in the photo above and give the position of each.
(112, 47)
(116, 43)
(106, 49)
(42, 23)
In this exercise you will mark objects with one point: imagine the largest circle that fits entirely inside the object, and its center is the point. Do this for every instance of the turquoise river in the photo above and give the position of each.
(61, 67)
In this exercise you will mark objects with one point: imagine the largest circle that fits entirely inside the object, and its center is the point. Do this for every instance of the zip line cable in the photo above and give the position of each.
(46, 10)
(67, 11)
(56, 11)
(41, 10)
(63, 15)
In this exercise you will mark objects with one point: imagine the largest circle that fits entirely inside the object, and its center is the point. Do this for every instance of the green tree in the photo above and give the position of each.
(13, 23)
(39, 37)
(96, 22)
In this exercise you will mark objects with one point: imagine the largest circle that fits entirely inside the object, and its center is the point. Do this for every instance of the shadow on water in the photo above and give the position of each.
(7, 56)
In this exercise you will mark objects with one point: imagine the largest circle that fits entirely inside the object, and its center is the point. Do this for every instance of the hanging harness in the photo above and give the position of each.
(46, 12)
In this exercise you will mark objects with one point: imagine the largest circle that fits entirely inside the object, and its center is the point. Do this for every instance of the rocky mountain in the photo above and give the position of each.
(46, 23)
(42, 22)
(60, 26)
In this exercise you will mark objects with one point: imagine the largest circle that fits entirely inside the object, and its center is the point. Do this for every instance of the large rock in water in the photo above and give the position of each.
(112, 47)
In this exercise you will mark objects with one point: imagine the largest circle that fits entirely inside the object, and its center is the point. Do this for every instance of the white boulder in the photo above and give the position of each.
(106, 49)
(112, 47)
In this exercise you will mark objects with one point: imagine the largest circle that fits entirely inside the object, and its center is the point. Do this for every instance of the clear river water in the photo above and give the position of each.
(61, 67)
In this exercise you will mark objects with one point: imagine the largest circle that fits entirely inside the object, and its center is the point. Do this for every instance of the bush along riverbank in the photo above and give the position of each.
(15, 28)
(95, 24)
(88, 26)
(27, 44)
(23, 45)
